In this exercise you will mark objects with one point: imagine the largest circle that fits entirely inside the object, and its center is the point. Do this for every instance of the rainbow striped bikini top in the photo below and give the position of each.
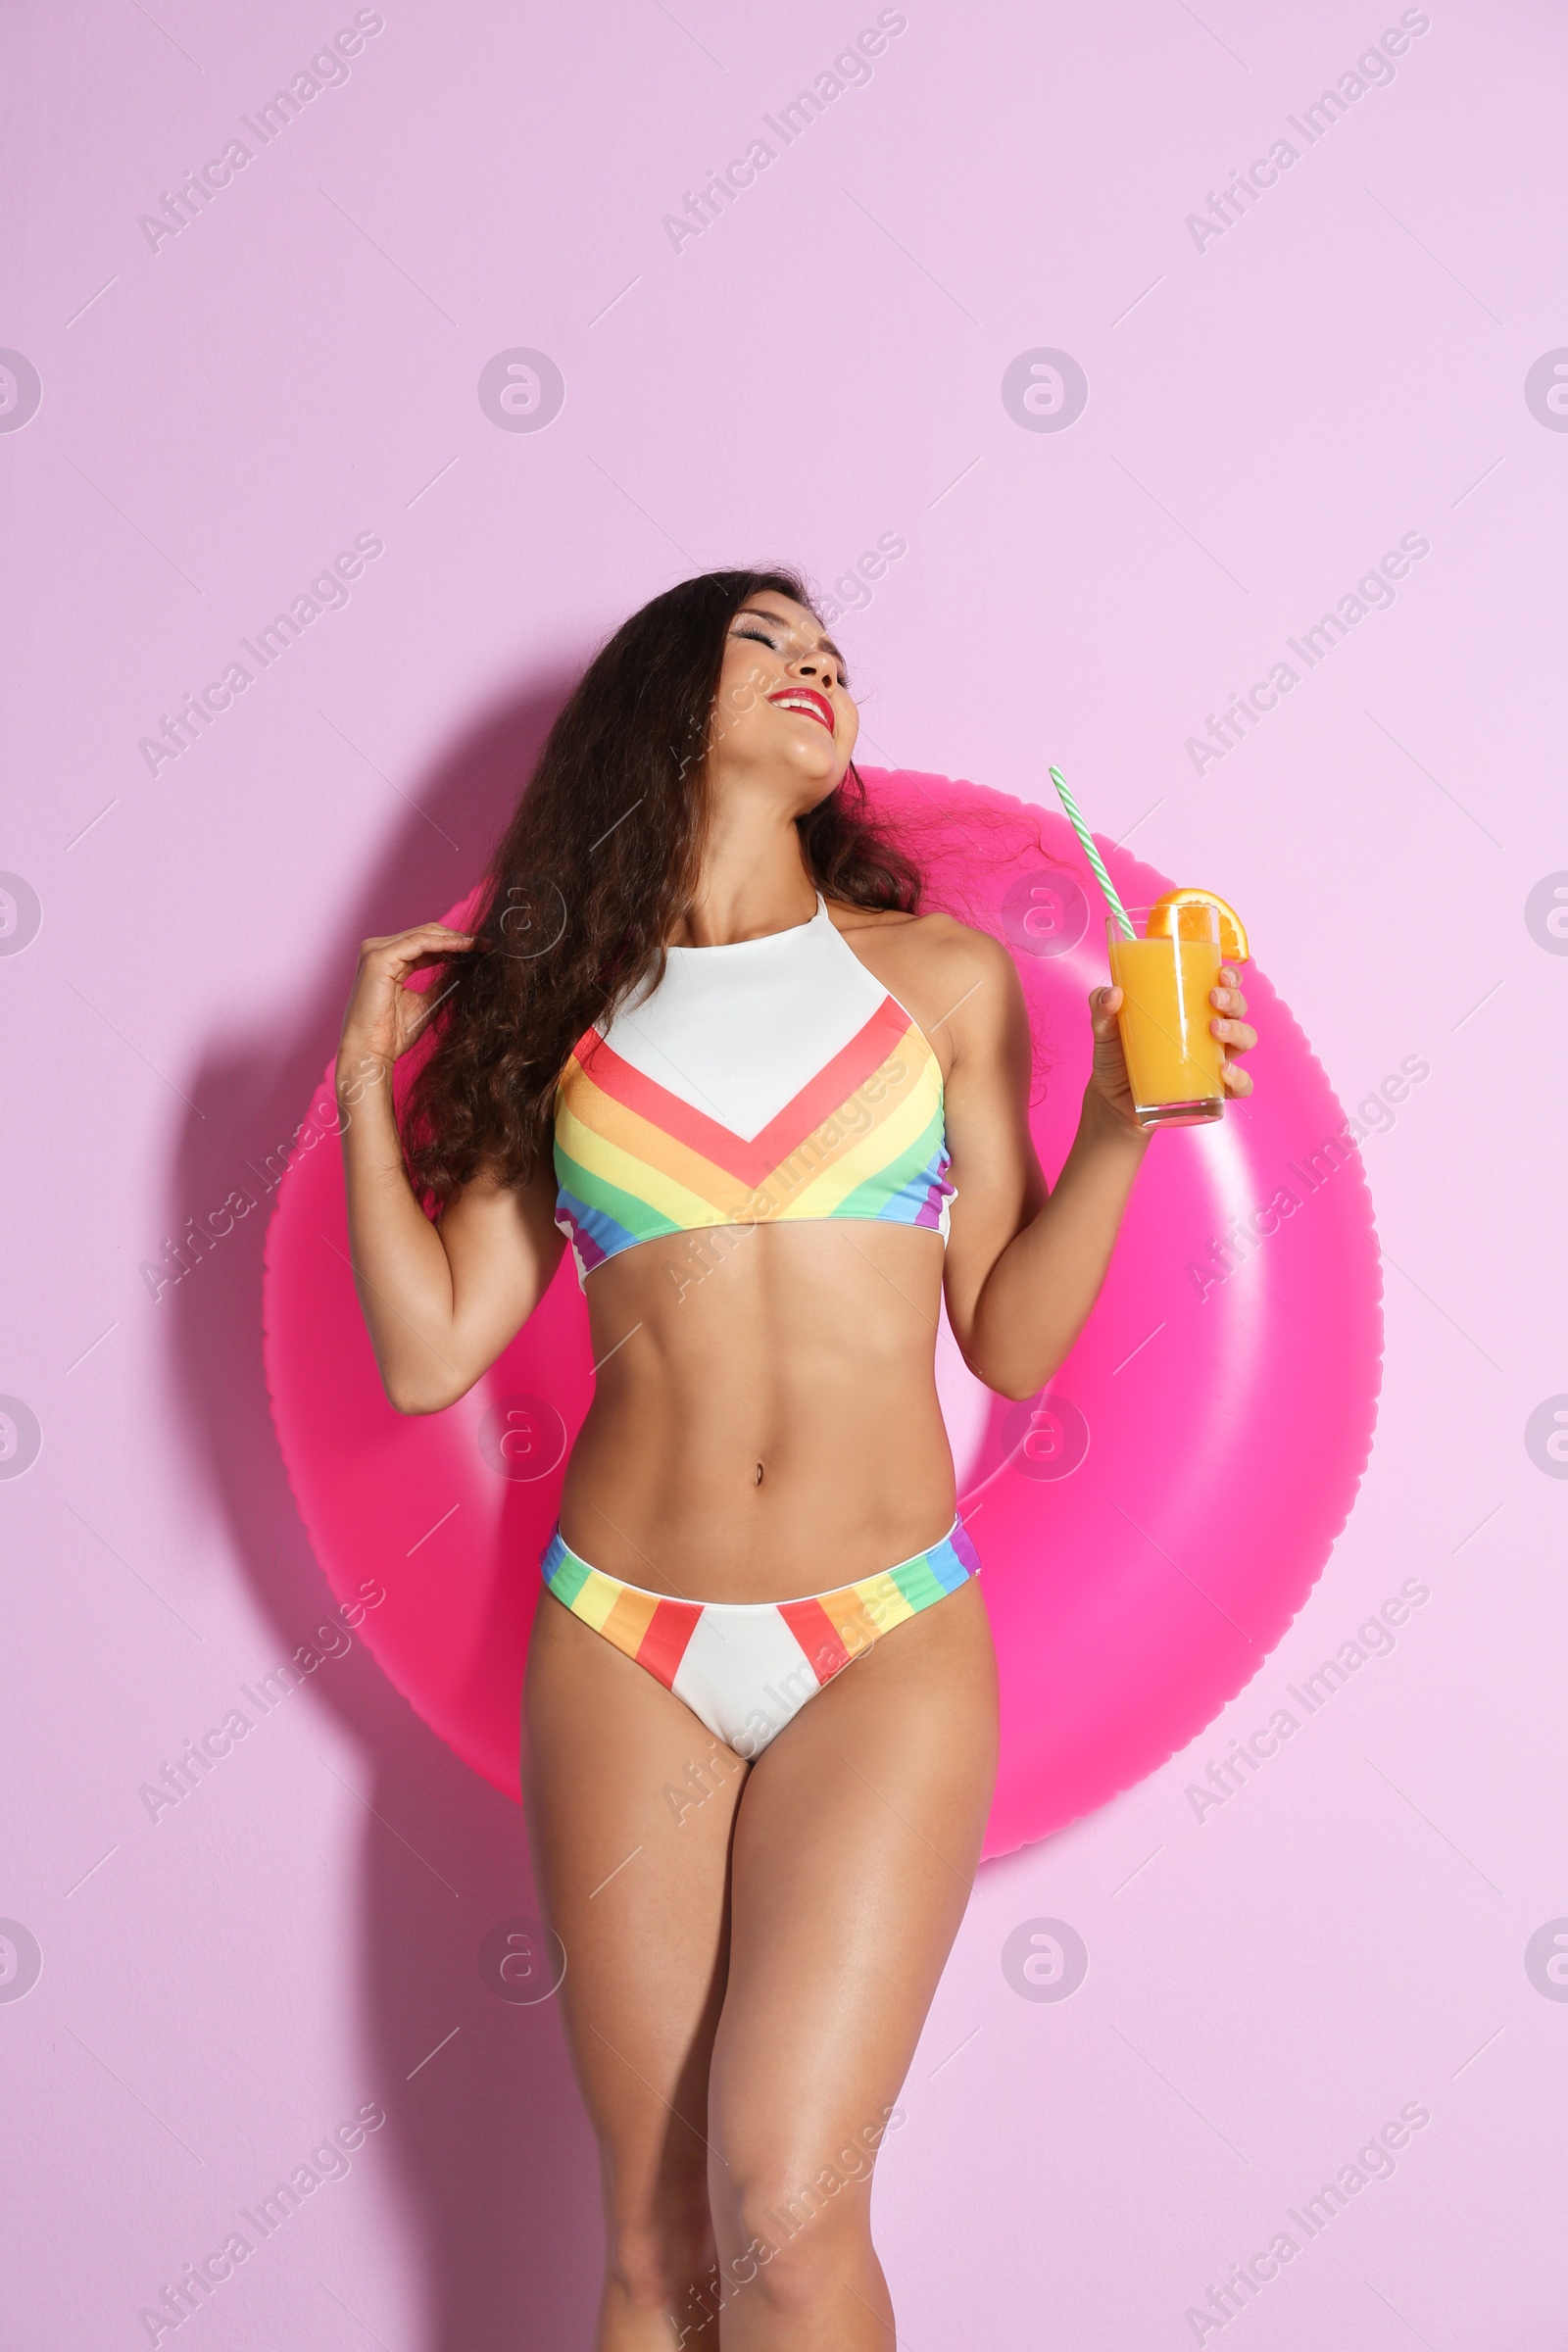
(771, 1080)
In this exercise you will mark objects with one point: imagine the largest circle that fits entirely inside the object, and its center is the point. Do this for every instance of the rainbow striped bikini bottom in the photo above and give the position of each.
(746, 1668)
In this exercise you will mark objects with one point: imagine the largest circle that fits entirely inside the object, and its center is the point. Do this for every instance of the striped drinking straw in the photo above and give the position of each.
(1091, 853)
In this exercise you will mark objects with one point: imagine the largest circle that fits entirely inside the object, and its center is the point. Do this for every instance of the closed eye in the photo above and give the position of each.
(760, 637)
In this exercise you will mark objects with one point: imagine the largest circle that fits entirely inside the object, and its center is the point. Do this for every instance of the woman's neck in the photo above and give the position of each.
(746, 889)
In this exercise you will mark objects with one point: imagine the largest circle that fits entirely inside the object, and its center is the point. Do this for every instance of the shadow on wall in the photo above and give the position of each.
(496, 2160)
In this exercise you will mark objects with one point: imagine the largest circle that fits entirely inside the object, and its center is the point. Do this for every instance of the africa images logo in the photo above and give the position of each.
(851, 69)
(20, 391)
(1545, 390)
(522, 390)
(1045, 390)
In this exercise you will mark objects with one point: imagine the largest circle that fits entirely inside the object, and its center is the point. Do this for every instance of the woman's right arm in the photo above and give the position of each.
(440, 1301)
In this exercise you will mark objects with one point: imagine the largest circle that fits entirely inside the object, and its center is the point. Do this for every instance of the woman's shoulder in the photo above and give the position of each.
(933, 963)
(925, 941)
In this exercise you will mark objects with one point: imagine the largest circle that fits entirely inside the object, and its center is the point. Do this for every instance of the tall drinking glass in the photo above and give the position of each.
(1173, 1059)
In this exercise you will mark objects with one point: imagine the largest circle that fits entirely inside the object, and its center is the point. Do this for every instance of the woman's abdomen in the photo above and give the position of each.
(766, 1421)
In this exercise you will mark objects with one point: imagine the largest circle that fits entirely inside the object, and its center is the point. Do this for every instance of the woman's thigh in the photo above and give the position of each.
(630, 1806)
(855, 1846)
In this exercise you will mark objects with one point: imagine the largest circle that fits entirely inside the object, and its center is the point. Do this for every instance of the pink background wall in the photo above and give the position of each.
(1364, 1925)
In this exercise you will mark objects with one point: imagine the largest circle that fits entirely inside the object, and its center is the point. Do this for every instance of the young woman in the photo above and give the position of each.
(703, 1033)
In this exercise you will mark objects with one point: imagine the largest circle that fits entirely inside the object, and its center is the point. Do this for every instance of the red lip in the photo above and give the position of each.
(817, 704)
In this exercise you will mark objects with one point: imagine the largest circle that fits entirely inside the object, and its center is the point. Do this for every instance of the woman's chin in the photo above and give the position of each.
(819, 773)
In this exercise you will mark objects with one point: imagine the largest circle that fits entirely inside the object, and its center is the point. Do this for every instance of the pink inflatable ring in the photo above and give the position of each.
(1148, 1525)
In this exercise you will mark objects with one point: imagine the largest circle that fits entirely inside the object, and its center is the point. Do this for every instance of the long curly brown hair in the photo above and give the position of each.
(594, 872)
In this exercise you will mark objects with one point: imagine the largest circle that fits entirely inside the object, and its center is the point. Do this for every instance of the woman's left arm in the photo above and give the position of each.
(1025, 1264)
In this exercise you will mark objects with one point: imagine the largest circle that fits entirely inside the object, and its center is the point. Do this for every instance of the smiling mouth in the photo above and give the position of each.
(808, 702)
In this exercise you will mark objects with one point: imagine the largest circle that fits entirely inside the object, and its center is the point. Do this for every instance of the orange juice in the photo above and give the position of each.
(1174, 1060)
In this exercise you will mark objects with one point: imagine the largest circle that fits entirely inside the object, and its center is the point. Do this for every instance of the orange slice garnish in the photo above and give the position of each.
(1166, 921)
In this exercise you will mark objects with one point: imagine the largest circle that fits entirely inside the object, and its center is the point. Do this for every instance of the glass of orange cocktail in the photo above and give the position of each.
(1165, 971)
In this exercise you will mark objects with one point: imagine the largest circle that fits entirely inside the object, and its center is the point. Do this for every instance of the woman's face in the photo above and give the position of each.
(783, 718)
